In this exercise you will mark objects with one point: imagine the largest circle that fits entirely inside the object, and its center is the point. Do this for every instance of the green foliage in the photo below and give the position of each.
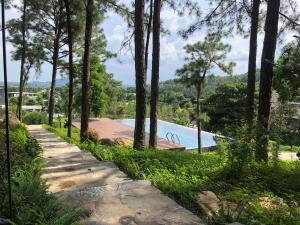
(99, 100)
(35, 118)
(18, 139)
(226, 109)
(62, 132)
(283, 128)
(287, 73)
(30, 101)
(32, 48)
(106, 93)
(249, 210)
(182, 175)
(203, 57)
(13, 101)
(32, 203)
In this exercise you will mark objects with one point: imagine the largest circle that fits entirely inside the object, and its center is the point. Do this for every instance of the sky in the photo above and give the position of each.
(172, 52)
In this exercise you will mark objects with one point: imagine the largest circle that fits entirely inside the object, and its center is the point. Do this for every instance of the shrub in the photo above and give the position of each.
(92, 136)
(35, 118)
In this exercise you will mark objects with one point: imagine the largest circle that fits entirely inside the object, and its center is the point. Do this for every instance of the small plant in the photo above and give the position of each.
(92, 136)
(35, 118)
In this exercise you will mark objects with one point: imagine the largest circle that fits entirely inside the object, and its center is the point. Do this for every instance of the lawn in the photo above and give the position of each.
(183, 175)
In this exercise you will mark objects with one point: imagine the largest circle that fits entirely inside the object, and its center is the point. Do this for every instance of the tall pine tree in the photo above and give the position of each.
(140, 75)
(266, 79)
(155, 74)
(86, 71)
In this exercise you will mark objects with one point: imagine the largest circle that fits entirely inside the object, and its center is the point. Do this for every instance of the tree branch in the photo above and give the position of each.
(289, 19)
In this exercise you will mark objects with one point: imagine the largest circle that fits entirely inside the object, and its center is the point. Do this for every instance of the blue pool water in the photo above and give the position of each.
(187, 136)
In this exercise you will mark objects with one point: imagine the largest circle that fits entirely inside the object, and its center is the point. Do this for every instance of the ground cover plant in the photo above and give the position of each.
(34, 118)
(32, 203)
(262, 193)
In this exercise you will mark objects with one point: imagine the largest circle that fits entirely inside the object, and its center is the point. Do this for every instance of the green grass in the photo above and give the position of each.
(286, 148)
(182, 175)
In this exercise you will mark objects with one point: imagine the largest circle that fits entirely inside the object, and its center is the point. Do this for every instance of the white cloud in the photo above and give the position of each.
(118, 33)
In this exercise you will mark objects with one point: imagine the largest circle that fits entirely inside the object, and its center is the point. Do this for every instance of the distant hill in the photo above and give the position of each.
(210, 85)
(59, 83)
(40, 84)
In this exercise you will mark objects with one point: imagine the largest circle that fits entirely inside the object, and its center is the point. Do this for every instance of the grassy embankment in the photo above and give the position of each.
(32, 203)
(267, 193)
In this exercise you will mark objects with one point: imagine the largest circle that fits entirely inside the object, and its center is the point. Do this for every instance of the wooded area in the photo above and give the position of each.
(253, 115)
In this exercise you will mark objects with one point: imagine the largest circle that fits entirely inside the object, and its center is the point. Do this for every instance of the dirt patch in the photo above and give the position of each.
(67, 184)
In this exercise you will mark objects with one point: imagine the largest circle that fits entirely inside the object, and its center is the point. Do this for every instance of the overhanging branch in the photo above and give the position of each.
(289, 19)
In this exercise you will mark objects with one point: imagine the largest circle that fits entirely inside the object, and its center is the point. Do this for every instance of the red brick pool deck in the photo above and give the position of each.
(111, 129)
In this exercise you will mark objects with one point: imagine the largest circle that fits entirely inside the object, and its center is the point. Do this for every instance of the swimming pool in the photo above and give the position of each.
(187, 136)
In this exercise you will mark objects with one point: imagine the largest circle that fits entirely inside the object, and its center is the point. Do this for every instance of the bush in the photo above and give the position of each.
(92, 136)
(35, 118)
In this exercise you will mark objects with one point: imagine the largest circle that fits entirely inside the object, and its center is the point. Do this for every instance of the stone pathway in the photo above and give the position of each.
(100, 187)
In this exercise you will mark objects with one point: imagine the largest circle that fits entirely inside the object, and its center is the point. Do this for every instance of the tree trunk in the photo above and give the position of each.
(22, 80)
(252, 64)
(155, 74)
(54, 72)
(266, 79)
(148, 38)
(71, 72)
(86, 71)
(140, 76)
(198, 112)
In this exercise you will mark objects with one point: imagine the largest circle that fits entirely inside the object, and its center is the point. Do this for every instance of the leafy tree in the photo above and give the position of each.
(284, 127)
(13, 101)
(155, 74)
(225, 109)
(227, 16)
(49, 27)
(266, 78)
(287, 73)
(98, 55)
(99, 99)
(26, 48)
(30, 101)
(202, 58)
(40, 99)
(253, 52)
(105, 91)
(140, 75)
